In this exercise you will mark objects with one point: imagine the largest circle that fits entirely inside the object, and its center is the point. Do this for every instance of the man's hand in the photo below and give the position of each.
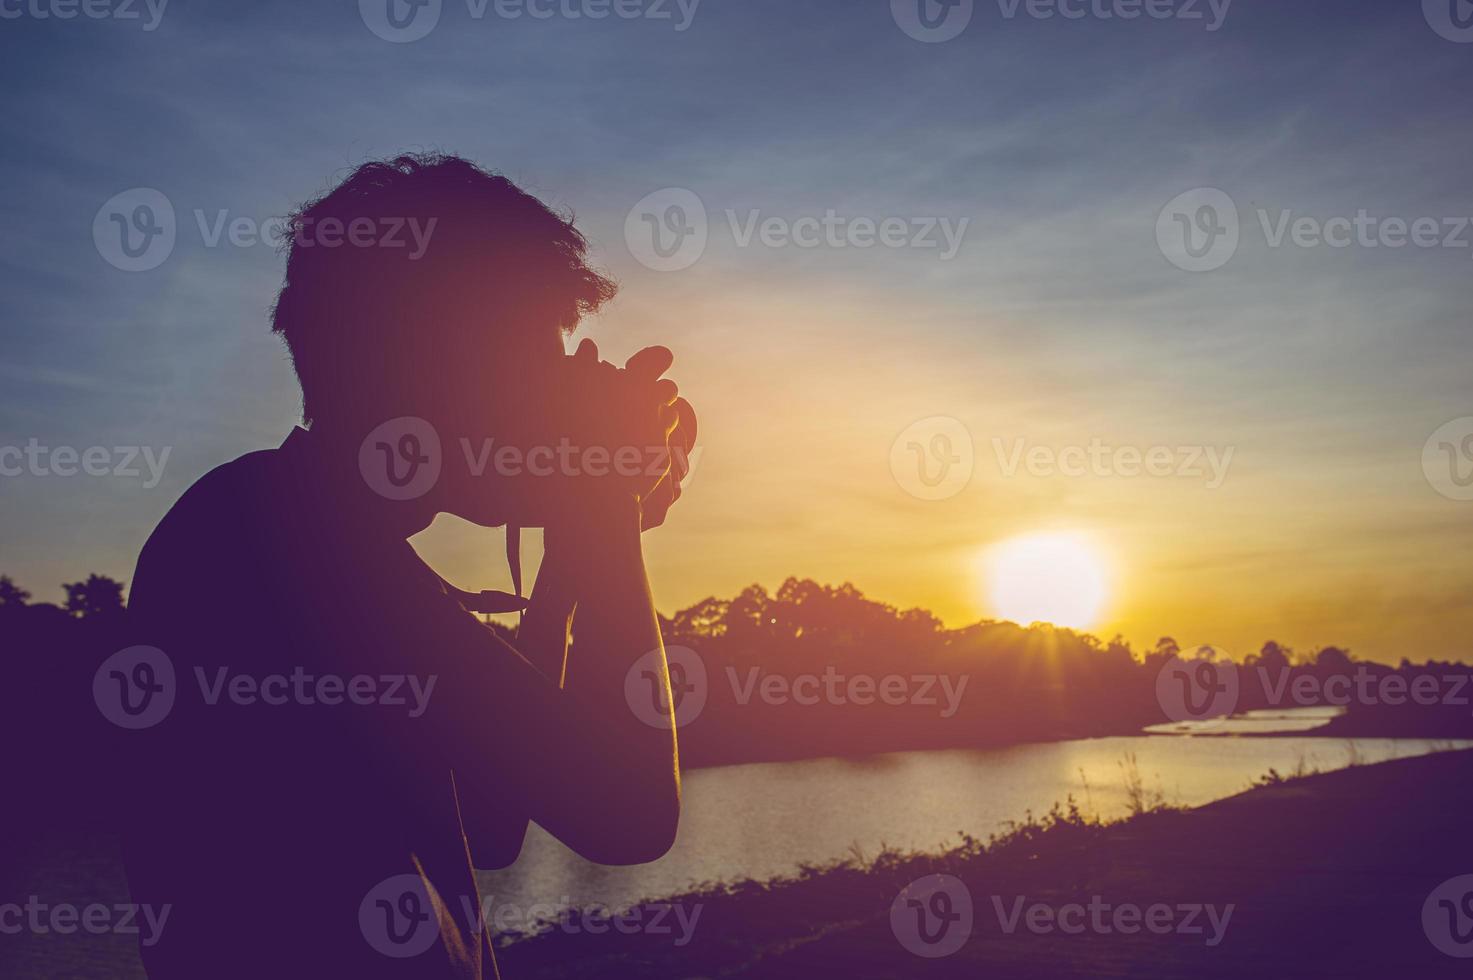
(635, 407)
(646, 367)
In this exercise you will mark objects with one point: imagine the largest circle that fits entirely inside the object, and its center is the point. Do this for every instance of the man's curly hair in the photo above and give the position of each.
(443, 254)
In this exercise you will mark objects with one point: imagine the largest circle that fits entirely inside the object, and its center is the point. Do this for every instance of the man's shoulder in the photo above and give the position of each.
(223, 511)
(230, 493)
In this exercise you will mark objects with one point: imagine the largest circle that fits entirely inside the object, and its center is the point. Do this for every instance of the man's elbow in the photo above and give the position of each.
(637, 836)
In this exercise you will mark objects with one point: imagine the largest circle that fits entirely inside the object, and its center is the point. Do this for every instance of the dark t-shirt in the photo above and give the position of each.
(307, 822)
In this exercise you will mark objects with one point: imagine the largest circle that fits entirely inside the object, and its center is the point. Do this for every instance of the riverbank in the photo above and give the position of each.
(1325, 875)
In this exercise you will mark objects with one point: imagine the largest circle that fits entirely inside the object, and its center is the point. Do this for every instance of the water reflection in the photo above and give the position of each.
(765, 820)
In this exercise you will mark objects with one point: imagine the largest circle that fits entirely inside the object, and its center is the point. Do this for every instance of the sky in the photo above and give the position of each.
(1061, 336)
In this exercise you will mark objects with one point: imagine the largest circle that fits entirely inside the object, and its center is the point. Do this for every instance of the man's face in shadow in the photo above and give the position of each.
(495, 394)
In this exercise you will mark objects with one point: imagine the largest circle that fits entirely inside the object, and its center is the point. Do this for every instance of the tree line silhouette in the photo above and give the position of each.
(868, 665)
(1024, 683)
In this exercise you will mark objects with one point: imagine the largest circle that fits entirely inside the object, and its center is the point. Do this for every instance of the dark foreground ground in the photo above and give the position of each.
(1327, 877)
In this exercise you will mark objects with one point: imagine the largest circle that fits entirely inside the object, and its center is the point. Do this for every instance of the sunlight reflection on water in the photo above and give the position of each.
(766, 820)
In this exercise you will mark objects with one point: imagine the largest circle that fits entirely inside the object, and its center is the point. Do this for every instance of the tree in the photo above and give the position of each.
(704, 620)
(745, 623)
(1333, 660)
(1274, 658)
(98, 596)
(12, 594)
(1166, 647)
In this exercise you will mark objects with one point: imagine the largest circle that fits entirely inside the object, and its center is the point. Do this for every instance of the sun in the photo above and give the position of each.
(1047, 578)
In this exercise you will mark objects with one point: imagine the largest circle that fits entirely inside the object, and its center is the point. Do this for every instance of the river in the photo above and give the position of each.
(765, 820)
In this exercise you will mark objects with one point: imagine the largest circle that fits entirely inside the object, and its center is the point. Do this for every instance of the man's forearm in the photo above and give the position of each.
(592, 568)
(544, 632)
(596, 776)
(615, 619)
(614, 628)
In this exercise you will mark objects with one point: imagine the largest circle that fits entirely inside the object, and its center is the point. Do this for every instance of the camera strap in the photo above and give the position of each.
(514, 556)
(490, 601)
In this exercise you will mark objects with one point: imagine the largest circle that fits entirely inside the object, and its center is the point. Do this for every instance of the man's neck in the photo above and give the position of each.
(329, 458)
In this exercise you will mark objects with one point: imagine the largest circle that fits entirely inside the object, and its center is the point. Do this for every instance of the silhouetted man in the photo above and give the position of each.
(346, 740)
